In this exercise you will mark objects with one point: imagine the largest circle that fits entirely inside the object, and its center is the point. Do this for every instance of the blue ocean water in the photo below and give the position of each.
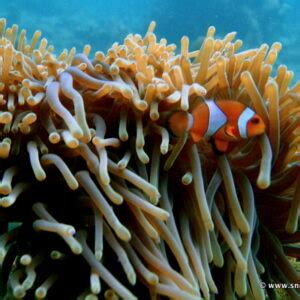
(100, 23)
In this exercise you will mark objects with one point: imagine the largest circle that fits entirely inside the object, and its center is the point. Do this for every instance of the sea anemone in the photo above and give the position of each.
(100, 199)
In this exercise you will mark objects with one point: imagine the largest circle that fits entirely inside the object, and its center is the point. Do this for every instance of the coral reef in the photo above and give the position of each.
(99, 199)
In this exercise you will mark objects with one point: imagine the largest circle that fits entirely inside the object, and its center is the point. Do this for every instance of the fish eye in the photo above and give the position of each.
(255, 120)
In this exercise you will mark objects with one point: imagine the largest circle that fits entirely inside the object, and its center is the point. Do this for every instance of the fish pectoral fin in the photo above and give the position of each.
(230, 130)
(221, 145)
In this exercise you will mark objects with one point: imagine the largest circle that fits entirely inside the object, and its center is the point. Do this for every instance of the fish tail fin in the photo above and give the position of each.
(200, 117)
(178, 123)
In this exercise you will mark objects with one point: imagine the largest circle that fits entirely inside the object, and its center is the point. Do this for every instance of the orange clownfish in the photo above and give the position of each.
(223, 121)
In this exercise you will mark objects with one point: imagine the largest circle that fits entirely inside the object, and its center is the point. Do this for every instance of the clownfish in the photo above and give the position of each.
(224, 121)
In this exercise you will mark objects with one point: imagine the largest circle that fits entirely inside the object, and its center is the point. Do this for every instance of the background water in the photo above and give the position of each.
(102, 22)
